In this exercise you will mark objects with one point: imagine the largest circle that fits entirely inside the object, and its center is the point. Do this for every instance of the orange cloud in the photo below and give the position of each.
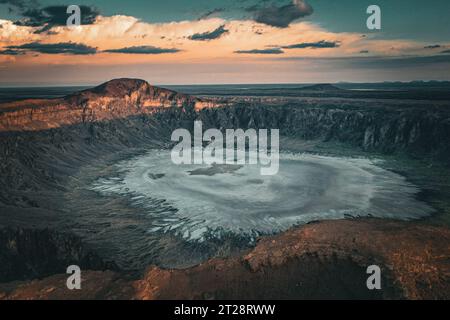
(116, 32)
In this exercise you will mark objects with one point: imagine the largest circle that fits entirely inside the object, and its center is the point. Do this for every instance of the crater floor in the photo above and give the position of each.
(199, 202)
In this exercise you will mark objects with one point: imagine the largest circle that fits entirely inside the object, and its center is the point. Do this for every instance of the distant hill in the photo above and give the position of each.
(321, 87)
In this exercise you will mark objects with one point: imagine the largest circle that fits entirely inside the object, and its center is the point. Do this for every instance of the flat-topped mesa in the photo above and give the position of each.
(130, 93)
(114, 99)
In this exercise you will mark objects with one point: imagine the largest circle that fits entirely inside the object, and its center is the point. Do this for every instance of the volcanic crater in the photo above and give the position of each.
(89, 176)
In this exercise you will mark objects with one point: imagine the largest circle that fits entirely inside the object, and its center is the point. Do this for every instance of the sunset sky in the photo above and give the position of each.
(223, 41)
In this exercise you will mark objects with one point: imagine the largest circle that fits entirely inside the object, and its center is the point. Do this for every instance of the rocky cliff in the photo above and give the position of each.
(373, 125)
(420, 130)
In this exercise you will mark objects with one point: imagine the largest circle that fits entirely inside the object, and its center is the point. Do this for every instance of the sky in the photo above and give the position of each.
(222, 41)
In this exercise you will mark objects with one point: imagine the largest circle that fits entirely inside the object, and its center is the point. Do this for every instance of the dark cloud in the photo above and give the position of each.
(314, 45)
(46, 17)
(400, 62)
(143, 50)
(11, 52)
(434, 46)
(211, 13)
(282, 16)
(261, 51)
(52, 16)
(215, 34)
(55, 48)
(52, 33)
(19, 5)
(252, 8)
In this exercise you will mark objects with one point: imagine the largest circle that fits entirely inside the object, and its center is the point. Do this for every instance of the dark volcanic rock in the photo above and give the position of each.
(325, 260)
(31, 254)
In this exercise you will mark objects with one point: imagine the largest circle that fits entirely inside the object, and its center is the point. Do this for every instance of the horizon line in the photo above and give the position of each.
(2, 86)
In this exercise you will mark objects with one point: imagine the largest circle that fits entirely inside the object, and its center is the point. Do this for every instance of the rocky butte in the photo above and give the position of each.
(114, 99)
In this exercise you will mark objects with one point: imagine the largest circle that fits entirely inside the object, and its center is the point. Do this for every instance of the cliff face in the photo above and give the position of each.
(115, 99)
(422, 131)
(373, 126)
